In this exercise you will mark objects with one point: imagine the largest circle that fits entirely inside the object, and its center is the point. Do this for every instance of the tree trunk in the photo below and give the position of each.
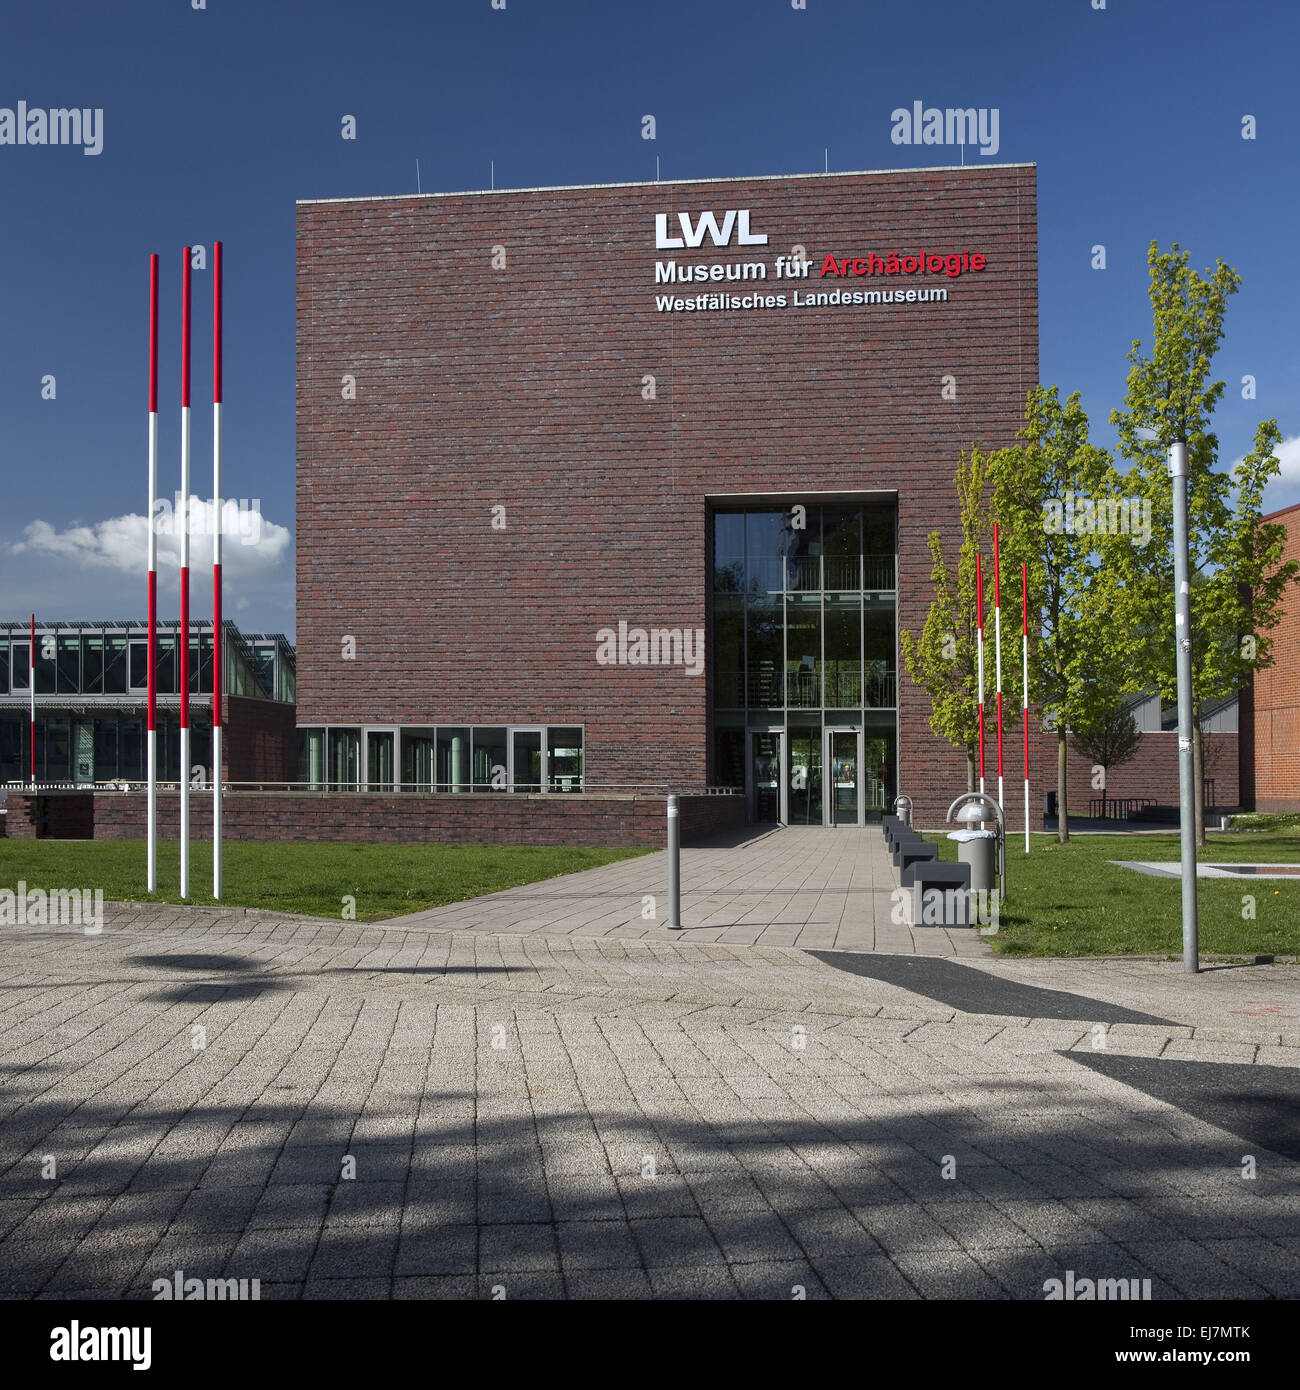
(1198, 778)
(1062, 820)
(970, 770)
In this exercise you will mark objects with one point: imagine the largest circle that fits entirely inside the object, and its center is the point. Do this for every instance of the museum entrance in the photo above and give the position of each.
(843, 761)
(766, 779)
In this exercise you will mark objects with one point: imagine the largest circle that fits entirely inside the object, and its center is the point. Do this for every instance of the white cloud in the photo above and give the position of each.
(1288, 455)
(252, 547)
(97, 570)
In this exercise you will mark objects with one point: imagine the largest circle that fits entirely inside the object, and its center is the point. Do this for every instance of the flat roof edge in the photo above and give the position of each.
(652, 183)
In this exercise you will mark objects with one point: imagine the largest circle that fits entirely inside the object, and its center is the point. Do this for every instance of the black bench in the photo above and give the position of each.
(911, 851)
(940, 893)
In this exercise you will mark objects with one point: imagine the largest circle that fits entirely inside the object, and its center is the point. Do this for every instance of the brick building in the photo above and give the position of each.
(91, 703)
(1270, 755)
(631, 484)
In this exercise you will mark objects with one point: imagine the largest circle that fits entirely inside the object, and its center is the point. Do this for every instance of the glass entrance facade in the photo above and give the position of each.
(805, 659)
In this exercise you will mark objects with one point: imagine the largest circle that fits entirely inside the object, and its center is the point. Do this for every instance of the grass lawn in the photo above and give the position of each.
(385, 880)
(1066, 900)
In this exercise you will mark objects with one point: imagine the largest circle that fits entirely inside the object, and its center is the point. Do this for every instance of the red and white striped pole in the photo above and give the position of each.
(216, 570)
(184, 636)
(151, 740)
(31, 690)
(997, 646)
(979, 637)
(1024, 687)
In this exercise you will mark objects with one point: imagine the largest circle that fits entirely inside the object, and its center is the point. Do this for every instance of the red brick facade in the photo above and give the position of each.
(260, 743)
(501, 345)
(1271, 703)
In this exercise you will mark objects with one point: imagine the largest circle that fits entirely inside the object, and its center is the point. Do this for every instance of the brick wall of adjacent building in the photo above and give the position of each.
(446, 819)
(1271, 706)
(523, 387)
(1153, 773)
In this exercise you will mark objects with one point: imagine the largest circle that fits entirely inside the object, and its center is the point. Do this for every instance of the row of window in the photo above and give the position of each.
(87, 751)
(804, 548)
(444, 758)
(115, 664)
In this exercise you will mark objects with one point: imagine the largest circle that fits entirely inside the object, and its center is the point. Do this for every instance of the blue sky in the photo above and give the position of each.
(216, 120)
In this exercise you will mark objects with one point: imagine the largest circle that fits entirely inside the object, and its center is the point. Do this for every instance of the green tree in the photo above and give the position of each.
(1034, 487)
(1238, 578)
(1107, 735)
(942, 660)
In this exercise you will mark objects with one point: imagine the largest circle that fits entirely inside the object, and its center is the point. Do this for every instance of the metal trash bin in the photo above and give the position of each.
(977, 847)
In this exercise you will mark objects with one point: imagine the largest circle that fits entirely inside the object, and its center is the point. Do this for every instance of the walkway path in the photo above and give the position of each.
(341, 1110)
(815, 889)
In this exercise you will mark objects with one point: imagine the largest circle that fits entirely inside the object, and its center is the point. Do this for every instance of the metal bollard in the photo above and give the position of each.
(674, 866)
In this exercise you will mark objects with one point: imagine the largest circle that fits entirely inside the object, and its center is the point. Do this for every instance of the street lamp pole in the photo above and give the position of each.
(1186, 759)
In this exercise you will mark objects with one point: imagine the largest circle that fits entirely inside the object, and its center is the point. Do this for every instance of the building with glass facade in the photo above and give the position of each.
(91, 699)
(630, 486)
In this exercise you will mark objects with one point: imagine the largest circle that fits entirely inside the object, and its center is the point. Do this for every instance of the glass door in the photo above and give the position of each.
(805, 801)
(378, 773)
(526, 760)
(765, 789)
(844, 776)
(83, 752)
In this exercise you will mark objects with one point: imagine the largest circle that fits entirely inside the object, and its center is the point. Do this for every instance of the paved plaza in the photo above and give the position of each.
(808, 887)
(408, 1110)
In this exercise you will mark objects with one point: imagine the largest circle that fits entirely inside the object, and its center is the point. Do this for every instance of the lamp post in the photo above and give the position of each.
(1186, 757)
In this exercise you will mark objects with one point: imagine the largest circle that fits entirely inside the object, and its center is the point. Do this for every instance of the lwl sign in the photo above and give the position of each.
(736, 219)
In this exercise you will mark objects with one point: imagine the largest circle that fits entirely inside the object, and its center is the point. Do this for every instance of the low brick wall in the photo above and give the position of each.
(49, 815)
(553, 819)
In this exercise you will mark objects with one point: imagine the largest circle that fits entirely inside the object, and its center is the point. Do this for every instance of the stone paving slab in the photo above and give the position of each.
(343, 1110)
(811, 888)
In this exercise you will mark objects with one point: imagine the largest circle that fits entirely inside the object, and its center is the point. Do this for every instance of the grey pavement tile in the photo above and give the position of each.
(611, 1284)
(587, 1199)
(665, 1195)
(514, 1204)
(521, 1284)
(786, 1280)
(831, 1235)
(347, 1290)
(1194, 1271)
(675, 1241)
(444, 1250)
(588, 1245)
(709, 1282)
(353, 1252)
(947, 1274)
(905, 1226)
(870, 1277)
(435, 1288)
(284, 1205)
(751, 1237)
(209, 1209)
(366, 1204)
(506, 1249)
(273, 1256)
